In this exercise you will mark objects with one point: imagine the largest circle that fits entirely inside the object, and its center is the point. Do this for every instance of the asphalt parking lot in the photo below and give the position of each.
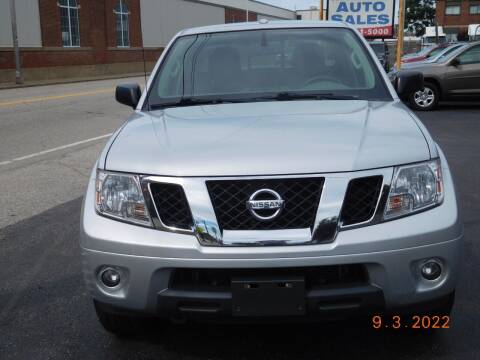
(49, 139)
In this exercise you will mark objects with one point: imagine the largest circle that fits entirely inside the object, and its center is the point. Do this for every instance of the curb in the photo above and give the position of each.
(5, 86)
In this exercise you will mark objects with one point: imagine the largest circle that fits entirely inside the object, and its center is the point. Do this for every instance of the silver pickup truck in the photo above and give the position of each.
(269, 170)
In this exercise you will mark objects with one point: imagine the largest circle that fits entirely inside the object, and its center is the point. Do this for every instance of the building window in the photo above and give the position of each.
(69, 23)
(121, 24)
(453, 9)
(475, 9)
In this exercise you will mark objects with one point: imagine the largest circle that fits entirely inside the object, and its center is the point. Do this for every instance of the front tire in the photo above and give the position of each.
(425, 99)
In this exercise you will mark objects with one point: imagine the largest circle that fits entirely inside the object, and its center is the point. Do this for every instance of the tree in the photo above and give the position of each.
(419, 15)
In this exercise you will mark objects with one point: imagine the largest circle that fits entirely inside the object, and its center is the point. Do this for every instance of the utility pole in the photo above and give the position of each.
(401, 25)
(18, 68)
(321, 10)
(248, 3)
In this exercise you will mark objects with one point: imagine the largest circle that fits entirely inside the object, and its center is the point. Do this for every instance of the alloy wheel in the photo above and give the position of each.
(424, 98)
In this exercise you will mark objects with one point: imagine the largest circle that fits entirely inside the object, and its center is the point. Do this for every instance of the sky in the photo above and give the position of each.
(291, 4)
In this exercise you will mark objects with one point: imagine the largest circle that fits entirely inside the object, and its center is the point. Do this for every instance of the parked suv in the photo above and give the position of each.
(244, 187)
(453, 76)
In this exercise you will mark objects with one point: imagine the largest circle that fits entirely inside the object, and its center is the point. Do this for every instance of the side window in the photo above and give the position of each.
(471, 56)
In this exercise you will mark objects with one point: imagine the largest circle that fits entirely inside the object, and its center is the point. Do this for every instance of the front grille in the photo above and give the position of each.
(172, 205)
(315, 277)
(301, 196)
(361, 200)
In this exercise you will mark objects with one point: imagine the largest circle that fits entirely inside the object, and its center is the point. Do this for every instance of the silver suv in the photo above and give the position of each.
(269, 169)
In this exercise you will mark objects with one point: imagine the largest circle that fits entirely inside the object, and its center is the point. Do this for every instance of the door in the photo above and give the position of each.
(462, 78)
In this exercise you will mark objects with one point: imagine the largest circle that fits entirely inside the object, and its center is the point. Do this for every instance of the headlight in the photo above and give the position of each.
(119, 196)
(415, 188)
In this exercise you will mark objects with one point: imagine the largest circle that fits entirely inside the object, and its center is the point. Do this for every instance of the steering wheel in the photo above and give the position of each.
(318, 78)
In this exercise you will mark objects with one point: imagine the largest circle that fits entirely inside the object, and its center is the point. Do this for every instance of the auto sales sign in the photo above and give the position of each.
(374, 19)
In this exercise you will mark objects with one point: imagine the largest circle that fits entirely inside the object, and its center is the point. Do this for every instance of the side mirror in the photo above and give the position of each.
(455, 62)
(128, 94)
(407, 82)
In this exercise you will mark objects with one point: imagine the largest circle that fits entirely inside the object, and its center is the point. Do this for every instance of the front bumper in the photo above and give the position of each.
(391, 253)
(394, 281)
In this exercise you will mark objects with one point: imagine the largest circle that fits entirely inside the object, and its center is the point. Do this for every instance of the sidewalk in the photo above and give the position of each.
(10, 85)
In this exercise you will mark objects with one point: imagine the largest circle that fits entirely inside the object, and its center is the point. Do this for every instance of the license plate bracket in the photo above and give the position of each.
(268, 297)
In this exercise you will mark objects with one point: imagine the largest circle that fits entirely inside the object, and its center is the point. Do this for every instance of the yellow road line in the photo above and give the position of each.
(55, 97)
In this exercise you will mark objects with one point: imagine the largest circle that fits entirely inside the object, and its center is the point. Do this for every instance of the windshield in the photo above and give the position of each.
(435, 52)
(448, 53)
(279, 64)
(422, 52)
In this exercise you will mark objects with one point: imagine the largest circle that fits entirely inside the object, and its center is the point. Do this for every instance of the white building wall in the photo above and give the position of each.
(162, 19)
(28, 23)
(269, 17)
(309, 14)
(268, 11)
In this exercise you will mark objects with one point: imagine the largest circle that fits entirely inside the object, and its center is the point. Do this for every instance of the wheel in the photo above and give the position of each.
(425, 99)
(120, 325)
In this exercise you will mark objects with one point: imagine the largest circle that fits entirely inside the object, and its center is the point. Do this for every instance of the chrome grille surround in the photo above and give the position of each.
(326, 224)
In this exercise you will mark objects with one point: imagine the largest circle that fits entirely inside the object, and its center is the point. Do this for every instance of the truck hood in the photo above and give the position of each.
(268, 138)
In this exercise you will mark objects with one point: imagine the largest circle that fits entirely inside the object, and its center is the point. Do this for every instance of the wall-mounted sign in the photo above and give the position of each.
(374, 19)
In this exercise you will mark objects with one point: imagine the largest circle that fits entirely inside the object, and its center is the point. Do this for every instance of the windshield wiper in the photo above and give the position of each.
(192, 101)
(287, 96)
(281, 96)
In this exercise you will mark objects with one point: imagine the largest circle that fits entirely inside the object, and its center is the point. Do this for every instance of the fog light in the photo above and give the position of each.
(110, 277)
(431, 270)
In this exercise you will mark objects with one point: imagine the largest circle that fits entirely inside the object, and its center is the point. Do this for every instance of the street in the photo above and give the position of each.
(50, 137)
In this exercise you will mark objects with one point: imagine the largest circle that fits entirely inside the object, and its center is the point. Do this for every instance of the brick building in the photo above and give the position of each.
(84, 38)
(455, 17)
